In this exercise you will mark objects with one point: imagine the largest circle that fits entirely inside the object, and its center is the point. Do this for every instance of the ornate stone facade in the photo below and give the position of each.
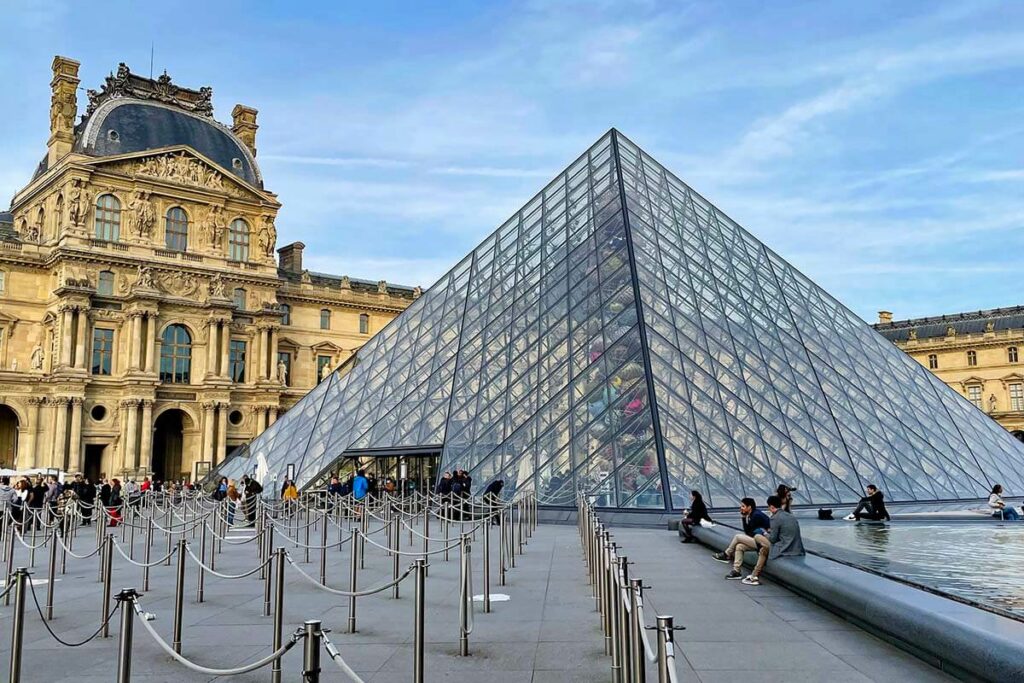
(145, 323)
(979, 354)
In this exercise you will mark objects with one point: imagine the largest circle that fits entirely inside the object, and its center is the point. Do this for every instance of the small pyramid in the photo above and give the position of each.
(622, 334)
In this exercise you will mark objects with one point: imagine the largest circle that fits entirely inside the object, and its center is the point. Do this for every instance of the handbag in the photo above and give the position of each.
(824, 513)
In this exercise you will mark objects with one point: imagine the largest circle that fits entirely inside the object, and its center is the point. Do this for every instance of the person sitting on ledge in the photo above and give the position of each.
(871, 507)
(698, 511)
(784, 539)
(1000, 510)
(754, 537)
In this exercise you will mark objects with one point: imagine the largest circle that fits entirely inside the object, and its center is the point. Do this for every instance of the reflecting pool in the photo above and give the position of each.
(981, 562)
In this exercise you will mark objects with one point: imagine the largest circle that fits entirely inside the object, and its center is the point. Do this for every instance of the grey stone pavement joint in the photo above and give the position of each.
(548, 632)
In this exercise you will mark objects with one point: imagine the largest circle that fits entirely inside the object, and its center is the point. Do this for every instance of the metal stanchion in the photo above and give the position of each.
(665, 643)
(306, 549)
(311, 652)
(419, 613)
(68, 535)
(179, 595)
(323, 550)
(352, 579)
(625, 632)
(9, 574)
(444, 525)
(502, 527)
(465, 599)
(512, 520)
(108, 568)
(275, 672)
(426, 527)
(395, 543)
(201, 574)
(639, 656)
(126, 599)
(170, 544)
(362, 537)
(266, 592)
(487, 565)
(51, 570)
(21, 579)
(146, 554)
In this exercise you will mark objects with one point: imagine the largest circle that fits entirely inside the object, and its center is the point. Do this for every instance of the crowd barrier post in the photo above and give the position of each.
(126, 599)
(179, 595)
(311, 652)
(108, 568)
(279, 562)
(21, 579)
(51, 573)
(353, 571)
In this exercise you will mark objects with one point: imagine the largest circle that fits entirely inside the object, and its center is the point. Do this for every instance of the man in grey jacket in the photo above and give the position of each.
(784, 537)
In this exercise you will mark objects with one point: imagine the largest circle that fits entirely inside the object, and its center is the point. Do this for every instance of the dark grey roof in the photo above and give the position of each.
(974, 322)
(7, 233)
(139, 126)
(334, 281)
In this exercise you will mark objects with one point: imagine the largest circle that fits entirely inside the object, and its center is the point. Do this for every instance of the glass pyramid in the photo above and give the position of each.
(621, 334)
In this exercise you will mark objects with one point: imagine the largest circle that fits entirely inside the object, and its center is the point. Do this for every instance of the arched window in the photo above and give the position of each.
(176, 355)
(933, 361)
(176, 234)
(286, 314)
(1011, 354)
(364, 323)
(108, 218)
(105, 284)
(972, 357)
(325, 319)
(239, 298)
(238, 240)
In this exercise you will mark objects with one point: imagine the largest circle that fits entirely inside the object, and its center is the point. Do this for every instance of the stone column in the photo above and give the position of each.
(274, 333)
(146, 447)
(60, 431)
(272, 417)
(225, 350)
(151, 324)
(31, 431)
(135, 341)
(208, 420)
(65, 337)
(256, 361)
(131, 452)
(83, 327)
(222, 432)
(211, 348)
(75, 451)
(261, 419)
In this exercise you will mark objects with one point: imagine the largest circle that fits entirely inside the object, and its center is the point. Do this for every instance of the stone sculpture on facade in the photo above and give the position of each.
(282, 372)
(180, 168)
(78, 204)
(145, 278)
(217, 287)
(142, 217)
(36, 361)
(268, 236)
(212, 228)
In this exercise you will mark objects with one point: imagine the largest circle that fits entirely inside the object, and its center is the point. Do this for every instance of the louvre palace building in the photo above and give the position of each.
(149, 322)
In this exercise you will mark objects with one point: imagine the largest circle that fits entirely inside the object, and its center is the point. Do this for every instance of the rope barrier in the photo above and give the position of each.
(348, 594)
(334, 654)
(273, 656)
(117, 546)
(39, 609)
(226, 576)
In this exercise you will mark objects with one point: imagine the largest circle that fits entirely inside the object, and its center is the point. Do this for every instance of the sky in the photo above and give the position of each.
(875, 145)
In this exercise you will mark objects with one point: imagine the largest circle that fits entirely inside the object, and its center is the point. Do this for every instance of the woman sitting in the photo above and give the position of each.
(698, 511)
(1000, 510)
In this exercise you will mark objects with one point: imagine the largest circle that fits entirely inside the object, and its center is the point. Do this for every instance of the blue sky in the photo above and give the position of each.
(876, 145)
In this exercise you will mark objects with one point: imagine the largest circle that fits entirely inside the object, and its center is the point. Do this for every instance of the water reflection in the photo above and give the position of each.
(979, 562)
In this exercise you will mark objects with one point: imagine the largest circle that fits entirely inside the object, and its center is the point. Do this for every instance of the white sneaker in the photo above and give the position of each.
(850, 518)
(751, 580)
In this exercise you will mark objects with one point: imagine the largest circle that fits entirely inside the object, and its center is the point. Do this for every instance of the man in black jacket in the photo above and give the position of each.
(870, 507)
(492, 498)
(252, 492)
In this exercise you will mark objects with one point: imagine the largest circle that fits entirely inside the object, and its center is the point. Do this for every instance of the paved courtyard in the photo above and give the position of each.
(547, 631)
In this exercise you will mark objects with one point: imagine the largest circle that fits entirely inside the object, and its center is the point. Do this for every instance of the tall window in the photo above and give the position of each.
(1017, 397)
(364, 324)
(321, 361)
(238, 240)
(237, 359)
(972, 357)
(176, 355)
(177, 229)
(108, 218)
(1011, 354)
(325, 319)
(102, 351)
(105, 284)
(240, 298)
(285, 358)
(974, 395)
(286, 314)
(933, 361)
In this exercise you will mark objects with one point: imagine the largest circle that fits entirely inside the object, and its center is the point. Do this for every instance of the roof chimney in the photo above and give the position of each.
(63, 108)
(244, 125)
(291, 257)
(884, 317)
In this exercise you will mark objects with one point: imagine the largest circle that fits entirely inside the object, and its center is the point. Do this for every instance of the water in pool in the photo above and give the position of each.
(982, 562)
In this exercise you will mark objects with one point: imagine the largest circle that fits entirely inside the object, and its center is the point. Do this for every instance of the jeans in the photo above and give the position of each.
(231, 512)
(1007, 513)
(741, 543)
(867, 511)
